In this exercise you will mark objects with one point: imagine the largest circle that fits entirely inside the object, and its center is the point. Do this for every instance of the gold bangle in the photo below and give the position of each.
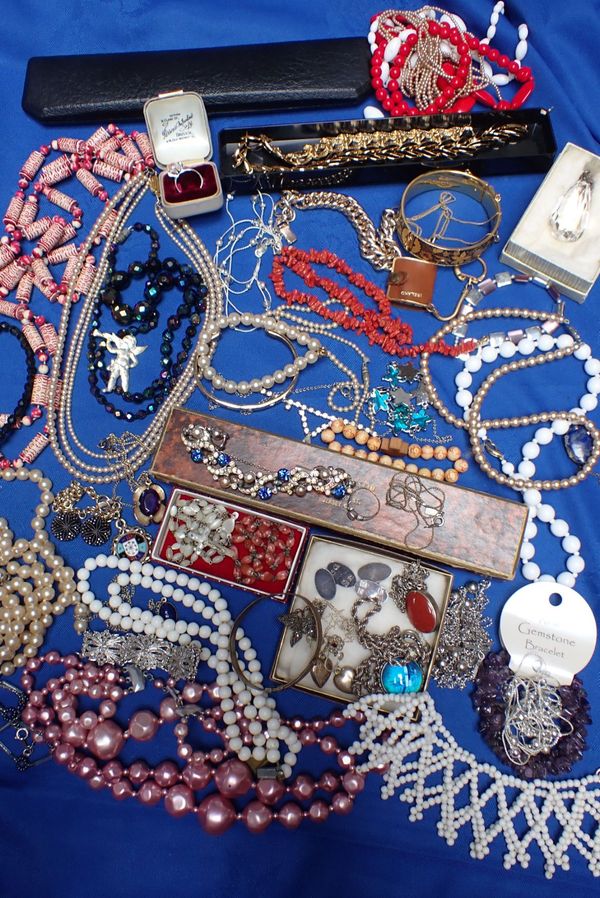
(465, 183)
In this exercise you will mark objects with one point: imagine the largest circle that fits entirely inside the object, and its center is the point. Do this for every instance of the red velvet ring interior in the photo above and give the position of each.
(194, 183)
(257, 567)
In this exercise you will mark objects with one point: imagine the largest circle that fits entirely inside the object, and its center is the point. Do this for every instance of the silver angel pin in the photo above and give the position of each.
(126, 352)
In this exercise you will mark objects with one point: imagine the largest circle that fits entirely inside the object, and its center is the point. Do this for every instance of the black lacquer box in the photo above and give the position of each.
(532, 151)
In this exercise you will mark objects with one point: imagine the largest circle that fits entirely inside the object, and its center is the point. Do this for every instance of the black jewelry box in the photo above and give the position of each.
(532, 152)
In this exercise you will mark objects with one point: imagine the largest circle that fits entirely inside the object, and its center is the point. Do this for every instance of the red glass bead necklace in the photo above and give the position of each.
(439, 86)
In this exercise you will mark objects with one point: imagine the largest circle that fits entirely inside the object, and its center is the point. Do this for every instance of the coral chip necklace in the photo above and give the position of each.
(393, 335)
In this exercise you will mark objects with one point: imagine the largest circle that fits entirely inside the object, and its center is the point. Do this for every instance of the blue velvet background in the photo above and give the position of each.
(60, 840)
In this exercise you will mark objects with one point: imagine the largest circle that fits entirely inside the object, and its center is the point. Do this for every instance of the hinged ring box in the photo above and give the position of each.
(180, 136)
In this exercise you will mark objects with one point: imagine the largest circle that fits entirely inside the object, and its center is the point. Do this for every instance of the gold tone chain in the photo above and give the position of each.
(379, 146)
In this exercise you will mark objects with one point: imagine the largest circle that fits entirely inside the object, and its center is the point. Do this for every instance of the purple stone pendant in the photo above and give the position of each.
(149, 503)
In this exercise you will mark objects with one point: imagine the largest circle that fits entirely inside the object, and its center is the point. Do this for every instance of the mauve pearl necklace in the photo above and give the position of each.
(52, 712)
(259, 710)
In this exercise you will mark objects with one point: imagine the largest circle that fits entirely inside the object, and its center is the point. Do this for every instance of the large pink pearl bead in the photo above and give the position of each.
(105, 740)
(179, 801)
(122, 789)
(192, 693)
(166, 774)
(87, 768)
(197, 774)
(290, 815)
(318, 812)
(112, 771)
(304, 787)
(353, 782)
(149, 793)
(270, 791)
(329, 781)
(308, 737)
(143, 725)
(344, 759)
(52, 733)
(328, 745)
(168, 710)
(257, 816)
(74, 734)
(63, 753)
(341, 803)
(97, 781)
(233, 778)
(88, 719)
(216, 815)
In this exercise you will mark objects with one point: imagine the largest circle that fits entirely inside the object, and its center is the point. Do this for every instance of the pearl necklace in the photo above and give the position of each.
(207, 344)
(506, 346)
(63, 436)
(266, 727)
(544, 512)
(428, 768)
(35, 583)
(89, 742)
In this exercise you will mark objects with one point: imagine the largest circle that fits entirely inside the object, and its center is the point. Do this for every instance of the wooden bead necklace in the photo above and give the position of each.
(369, 445)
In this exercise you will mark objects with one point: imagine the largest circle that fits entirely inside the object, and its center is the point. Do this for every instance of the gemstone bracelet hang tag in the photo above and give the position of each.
(549, 630)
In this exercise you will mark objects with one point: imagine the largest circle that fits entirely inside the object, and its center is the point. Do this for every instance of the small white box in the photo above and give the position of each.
(534, 248)
(180, 136)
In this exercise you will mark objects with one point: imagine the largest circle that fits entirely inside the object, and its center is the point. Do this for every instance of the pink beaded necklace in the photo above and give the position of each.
(108, 153)
(88, 743)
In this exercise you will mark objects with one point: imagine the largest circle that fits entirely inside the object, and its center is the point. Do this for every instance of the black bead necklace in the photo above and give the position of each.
(161, 276)
(13, 420)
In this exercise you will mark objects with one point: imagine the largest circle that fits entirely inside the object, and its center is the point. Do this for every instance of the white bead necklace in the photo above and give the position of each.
(266, 729)
(536, 338)
(428, 769)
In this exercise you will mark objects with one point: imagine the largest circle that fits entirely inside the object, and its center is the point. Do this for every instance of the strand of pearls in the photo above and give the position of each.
(35, 583)
(62, 431)
(266, 729)
(537, 338)
(207, 344)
